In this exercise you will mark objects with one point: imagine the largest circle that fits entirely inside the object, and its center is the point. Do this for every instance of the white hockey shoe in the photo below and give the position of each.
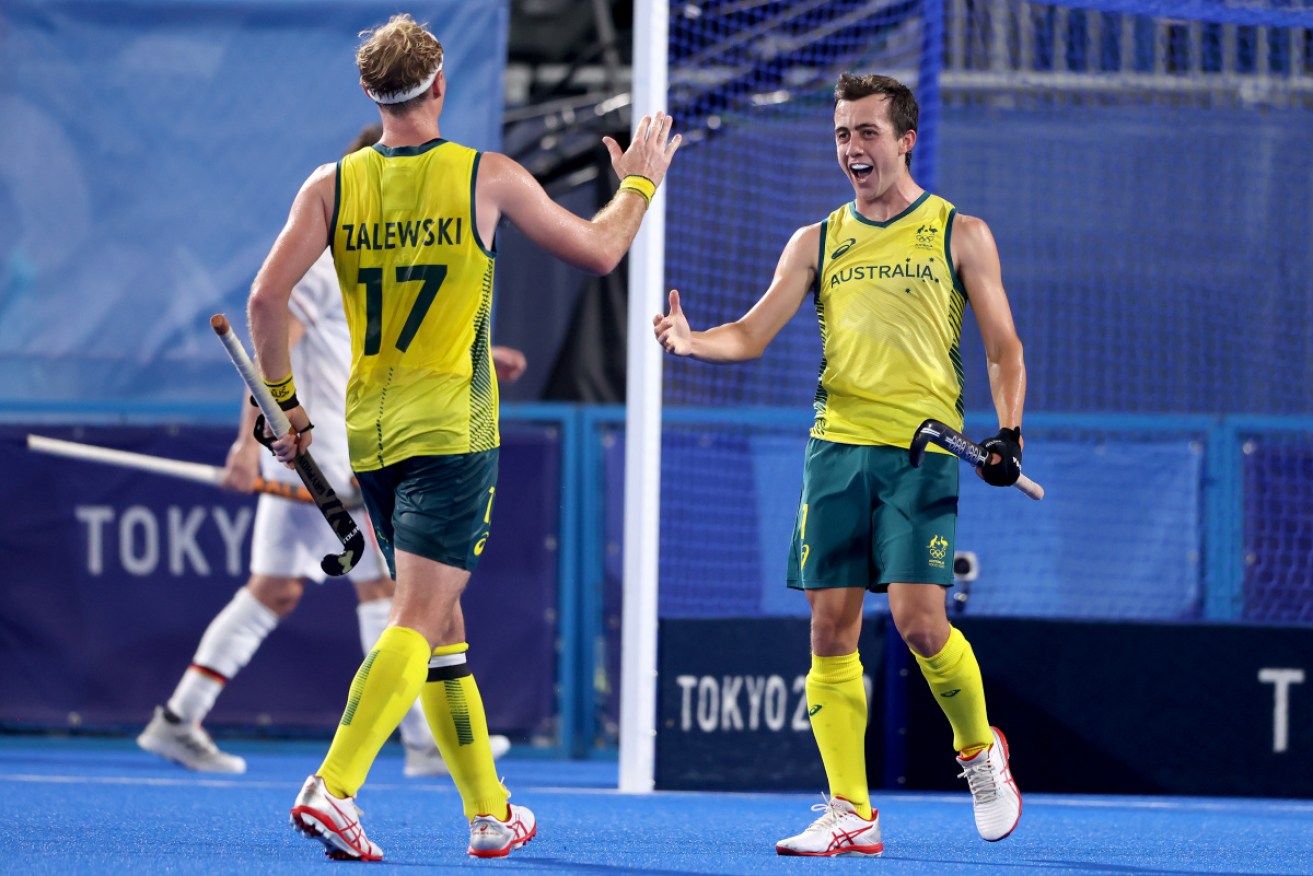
(839, 831)
(334, 821)
(187, 744)
(994, 794)
(490, 837)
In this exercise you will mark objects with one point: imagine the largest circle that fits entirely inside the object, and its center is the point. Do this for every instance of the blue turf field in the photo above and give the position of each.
(101, 806)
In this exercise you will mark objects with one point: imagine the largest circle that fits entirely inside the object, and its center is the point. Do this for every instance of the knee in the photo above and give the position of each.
(923, 635)
(919, 616)
(279, 595)
(830, 638)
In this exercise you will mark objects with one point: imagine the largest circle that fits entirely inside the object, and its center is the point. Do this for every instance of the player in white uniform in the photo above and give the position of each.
(289, 540)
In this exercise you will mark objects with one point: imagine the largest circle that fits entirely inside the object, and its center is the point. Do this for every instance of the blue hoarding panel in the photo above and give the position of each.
(113, 574)
(1203, 709)
(732, 705)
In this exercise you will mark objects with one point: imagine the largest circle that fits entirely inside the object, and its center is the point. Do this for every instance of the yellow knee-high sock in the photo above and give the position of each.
(455, 714)
(383, 691)
(836, 702)
(954, 676)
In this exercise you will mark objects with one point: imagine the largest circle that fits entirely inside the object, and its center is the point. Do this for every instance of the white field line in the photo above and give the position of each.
(896, 797)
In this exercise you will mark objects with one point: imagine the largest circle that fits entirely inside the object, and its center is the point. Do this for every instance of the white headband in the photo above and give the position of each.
(403, 96)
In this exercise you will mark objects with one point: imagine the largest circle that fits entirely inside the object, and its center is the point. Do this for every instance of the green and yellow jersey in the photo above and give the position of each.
(890, 307)
(417, 288)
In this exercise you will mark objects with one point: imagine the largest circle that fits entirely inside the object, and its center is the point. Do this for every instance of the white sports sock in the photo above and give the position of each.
(230, 641)
(373, 617)
(194, 696)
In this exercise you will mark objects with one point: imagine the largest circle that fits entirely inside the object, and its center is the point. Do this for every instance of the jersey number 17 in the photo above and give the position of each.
(372, 279)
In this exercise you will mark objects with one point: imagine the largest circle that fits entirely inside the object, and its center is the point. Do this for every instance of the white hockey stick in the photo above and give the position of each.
(344, 527)
(174, 468)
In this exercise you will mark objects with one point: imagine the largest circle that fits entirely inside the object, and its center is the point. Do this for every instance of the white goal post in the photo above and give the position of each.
(642, 508)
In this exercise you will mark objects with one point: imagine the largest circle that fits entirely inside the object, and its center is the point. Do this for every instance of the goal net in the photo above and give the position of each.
(1145, 170)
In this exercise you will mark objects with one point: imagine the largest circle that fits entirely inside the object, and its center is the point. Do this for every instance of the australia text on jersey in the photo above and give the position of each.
(907, 270)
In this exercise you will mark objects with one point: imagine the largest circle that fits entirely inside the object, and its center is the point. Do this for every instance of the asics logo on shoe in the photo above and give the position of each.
(951, 693)
(847, 837)
(350, 831)
(814, 709)
(515, 826)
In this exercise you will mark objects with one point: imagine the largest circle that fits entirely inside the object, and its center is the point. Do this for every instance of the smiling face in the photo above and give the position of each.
(871, 152)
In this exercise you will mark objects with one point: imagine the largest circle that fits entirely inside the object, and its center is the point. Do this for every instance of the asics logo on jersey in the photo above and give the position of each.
(843, 247)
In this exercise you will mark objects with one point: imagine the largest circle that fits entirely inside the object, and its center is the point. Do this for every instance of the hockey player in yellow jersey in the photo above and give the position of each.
(410, 224)
(892, 272)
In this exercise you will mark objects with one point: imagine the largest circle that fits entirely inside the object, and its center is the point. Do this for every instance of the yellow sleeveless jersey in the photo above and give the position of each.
(417, 288)
(890, 308)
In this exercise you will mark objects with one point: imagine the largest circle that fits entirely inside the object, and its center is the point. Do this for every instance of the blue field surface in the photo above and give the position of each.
(98, 805)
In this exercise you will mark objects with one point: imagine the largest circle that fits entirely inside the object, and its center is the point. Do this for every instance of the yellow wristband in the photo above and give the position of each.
(281, 390)
(640, 184)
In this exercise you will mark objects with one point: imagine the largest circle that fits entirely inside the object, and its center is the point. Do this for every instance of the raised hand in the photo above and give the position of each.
(671, 330)
(650, 151)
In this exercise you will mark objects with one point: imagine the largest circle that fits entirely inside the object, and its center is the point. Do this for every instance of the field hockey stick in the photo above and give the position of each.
(174, 468)
(941, 435)
(329, 504)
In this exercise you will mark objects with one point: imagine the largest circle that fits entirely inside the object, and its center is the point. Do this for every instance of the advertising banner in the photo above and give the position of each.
(732, 705)
(112, 575)
(1126, 708)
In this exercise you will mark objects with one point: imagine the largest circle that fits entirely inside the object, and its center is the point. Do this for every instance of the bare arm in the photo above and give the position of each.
(748, 337)
(597, 245)
(976, 255)
(299, 244)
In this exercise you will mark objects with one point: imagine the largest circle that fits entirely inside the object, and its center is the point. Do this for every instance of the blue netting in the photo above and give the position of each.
(1278, 523)
(753, 85)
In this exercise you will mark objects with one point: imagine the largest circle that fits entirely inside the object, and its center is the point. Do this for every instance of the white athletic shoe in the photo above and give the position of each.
(187, 744)
(491, 837)
(839, 831)
(994, 794)
(426, 760)
(334, 821)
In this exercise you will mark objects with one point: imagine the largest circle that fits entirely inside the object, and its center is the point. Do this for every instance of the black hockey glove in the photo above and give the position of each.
(1007, 444)
(268, 440)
